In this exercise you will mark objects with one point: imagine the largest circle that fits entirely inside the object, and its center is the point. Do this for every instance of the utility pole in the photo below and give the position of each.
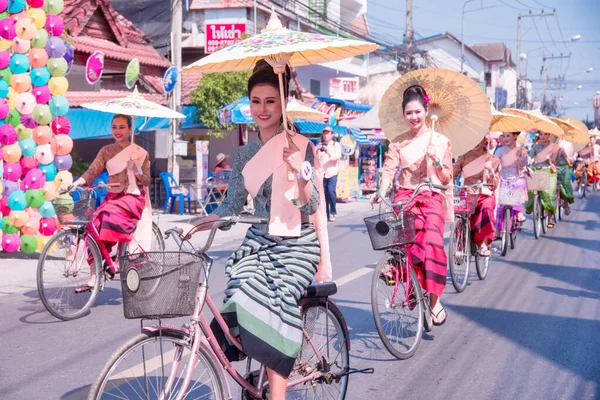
(462, 32)
(176, 24)
(408, 35)
(545, 74)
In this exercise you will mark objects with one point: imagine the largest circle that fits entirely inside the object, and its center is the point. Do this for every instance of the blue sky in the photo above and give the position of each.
(497, 22)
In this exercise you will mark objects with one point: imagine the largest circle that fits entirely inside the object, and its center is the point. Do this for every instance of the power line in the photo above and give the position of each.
(511, 6)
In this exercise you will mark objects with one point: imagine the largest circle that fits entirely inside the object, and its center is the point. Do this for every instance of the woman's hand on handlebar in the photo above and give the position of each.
(202, 224)
(376, 199)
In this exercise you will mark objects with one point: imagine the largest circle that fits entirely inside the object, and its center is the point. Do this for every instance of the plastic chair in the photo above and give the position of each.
(100, 193)
(169, 182)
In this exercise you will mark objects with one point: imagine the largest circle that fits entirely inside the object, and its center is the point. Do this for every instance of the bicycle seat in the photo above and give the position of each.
(320, 290)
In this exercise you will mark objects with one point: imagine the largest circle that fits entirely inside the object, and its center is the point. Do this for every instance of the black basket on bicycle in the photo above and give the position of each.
(158, 285)
(391, 229)
(71, 211)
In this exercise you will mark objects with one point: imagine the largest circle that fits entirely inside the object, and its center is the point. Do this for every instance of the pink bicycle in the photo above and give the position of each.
(177, 362)
(66, 262)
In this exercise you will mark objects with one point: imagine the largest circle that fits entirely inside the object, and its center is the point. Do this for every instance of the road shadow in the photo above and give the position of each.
(588, 225)
(585, 278)
(548, 336)
(80, 393)
(570, 292)
(587, 244)
(361, 228)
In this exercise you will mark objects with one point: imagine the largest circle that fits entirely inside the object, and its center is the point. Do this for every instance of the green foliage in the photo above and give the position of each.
(214, 92)
(79, 165)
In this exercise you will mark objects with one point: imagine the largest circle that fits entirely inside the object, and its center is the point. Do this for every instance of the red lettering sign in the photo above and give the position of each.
(222, 35)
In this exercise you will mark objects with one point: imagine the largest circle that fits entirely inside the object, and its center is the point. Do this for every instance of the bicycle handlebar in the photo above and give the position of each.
(434, 187)
(101, 185)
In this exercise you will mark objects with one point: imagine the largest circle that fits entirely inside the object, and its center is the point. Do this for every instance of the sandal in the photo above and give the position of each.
(550, 225)
(485, 252)
(521, 218)
(84, 288)
(435, 316)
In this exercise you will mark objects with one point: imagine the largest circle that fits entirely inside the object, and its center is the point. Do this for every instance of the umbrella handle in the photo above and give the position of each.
(279, 71)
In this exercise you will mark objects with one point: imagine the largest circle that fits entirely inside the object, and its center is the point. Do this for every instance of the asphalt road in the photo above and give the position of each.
(529, 331)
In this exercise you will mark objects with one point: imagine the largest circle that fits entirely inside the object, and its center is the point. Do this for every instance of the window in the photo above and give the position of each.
(488, 79)
(315, 87)
(317, 10)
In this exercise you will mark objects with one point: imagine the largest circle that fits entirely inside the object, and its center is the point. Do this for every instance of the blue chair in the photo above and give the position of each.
(100, 193)
(169, 182)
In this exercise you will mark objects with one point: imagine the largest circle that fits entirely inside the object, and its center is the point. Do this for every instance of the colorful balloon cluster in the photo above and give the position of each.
(34, 132)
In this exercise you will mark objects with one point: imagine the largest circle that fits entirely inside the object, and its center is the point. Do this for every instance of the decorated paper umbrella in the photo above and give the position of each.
(26, 29)
(132, 73)
(50, 190)
(16, 6)
(39, 76)
(53, 6)
(47, 226)
(12, 153)
(42, 242)
(42, 114)
(94, 67)
(3, 5)
(47, 210)
(28, 147)
(49, 170)
(38, 58)
(42, 134)
(35, 179)
(28, 244)
(296, 110)
(55, 47)
(28, 121)
(8, 187)
(4, 59)
(40, 39)
(58, 86)
(61, 125)
(8, 134)
(25, 103)
(12, 172)
(18, 218)
(61, 145)
(55, 25)
(7, 29)
(38, 16)
(57, 66)
(44, 155)
(11, 243)
(542, 123)
(7, 227)
(573, 134)
(20, 83)
(21, 45)
(577, 147)
(6, 74)
(28, 163)
(503, 122)
(17, 201)
(3, 89)
(68, 56)
(59, 106)
(19, 63)
(35, 3)
(63, 178)
(13, 118)
(35, 197)
(4, 108)
(42, 93)
(63, 163)
(23, 132)
(19, 16)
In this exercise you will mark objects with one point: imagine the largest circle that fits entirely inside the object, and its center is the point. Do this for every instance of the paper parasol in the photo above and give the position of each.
(595, 132)
(541, 122)
(502, 122)
(575, 132)
(459, 109)
(94, 67)
(296, 110)
(132, 73)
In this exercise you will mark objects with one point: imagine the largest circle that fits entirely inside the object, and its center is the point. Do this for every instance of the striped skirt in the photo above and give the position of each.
(483, 220)
(548, 197)
(427, 255)
(267, 278)
(117, 216)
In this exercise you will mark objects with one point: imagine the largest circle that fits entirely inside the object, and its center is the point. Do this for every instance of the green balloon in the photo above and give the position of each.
(7, 227)
(35, 197)
(28, 244)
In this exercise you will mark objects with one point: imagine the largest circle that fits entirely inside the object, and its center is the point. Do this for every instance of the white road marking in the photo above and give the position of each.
(352, 276)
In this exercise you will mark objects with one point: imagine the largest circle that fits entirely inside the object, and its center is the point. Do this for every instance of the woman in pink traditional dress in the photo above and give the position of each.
(128, 166)
(480, 166)
(422, 153)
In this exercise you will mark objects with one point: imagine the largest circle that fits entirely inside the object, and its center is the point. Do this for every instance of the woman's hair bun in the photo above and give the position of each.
(412, 93)
(263, 73)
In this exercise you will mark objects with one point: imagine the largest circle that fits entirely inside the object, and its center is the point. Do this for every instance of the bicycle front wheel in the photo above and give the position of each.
(397, 310)
(537, 219)
(64, 266)
(582, 184)
(505, 232)
(327, 331)
(152, 366)
(543, 218)
(459, 255)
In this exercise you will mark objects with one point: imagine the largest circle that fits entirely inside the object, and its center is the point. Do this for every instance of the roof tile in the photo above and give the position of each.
(76, 99)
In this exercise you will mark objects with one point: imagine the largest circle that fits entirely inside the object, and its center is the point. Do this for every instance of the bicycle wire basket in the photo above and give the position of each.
(539, 181)
(157, 285)
(464, 201)
(75, 212)
(511, 193)
(390, 229)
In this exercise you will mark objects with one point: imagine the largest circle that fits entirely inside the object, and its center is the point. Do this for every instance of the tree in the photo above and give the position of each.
(214, 92)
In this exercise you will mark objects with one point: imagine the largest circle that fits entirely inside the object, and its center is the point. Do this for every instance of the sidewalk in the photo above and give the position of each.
(18, 271)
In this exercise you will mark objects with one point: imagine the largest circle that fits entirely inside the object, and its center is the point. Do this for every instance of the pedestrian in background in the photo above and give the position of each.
(329, 153)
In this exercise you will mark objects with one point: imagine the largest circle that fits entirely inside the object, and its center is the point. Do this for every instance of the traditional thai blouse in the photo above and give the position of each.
(515, 169)
(237, 193)
(467, 158)
(557, 157)
(99, 165)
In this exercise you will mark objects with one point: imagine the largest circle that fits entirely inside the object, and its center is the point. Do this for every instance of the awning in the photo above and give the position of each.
(348, 105)
(307, 127)
(190, 122)
(369, 120)
(237, 112)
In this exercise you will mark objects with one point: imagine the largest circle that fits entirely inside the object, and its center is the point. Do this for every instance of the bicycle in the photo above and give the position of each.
(149, 366)
(396, 295)
(461, 246)
(583, 179)
(510, 195)
(538, 181)
(68, 259)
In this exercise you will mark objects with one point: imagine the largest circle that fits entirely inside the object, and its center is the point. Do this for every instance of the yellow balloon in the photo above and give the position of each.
(63, 178)
(38, 16)
(58, 85)
(5, 44)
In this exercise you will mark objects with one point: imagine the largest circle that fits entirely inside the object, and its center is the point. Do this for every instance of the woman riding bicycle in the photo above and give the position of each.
(591, 156)
(546, 156)
(422, 153)
(479, 166)
(127, 201)
(513, 163)
(276, 262)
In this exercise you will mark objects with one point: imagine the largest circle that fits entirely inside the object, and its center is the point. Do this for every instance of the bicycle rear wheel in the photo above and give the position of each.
(62, 268)
(399, 322)
(582, 184)
(543, 217)
(141, 368)
(327, 330)
(536, 218)
(459, 255)
(514, 230)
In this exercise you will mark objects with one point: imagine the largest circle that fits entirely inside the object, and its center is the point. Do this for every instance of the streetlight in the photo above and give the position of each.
(579, 87)
(590, 69)
(575, 38)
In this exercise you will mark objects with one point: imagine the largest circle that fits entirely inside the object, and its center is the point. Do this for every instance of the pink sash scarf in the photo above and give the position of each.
(475, 167)
(510, 158)
(545, 153)
(143, 231)
(285, 219)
